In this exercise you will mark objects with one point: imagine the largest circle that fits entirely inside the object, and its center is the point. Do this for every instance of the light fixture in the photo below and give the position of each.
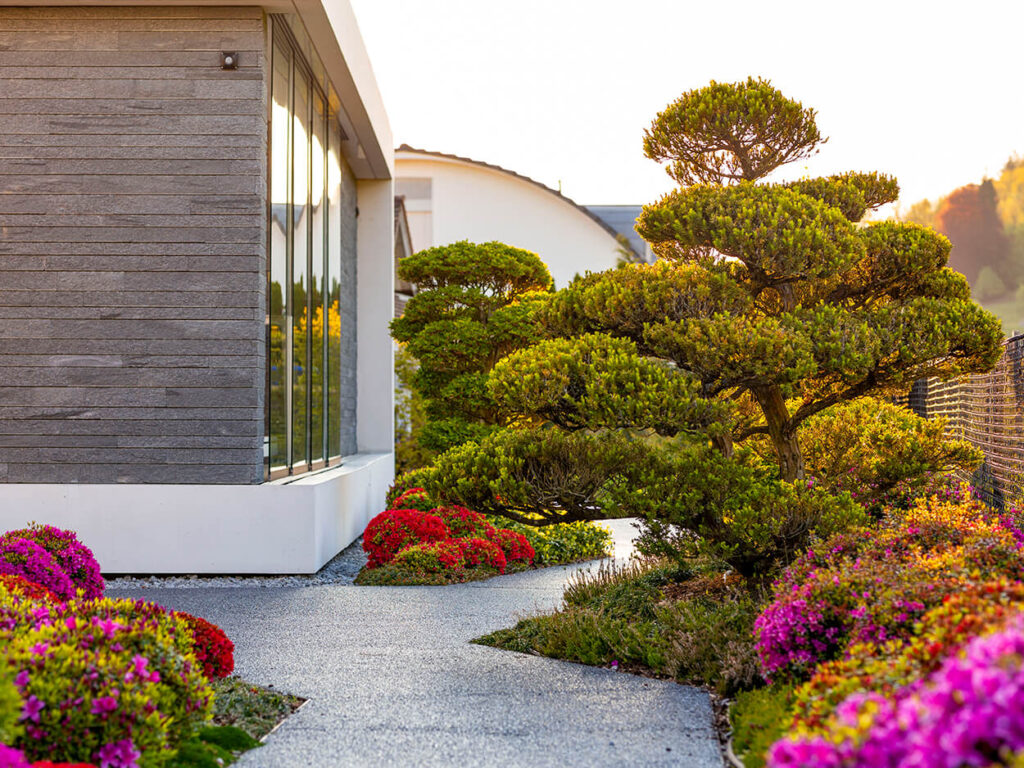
(229, 60)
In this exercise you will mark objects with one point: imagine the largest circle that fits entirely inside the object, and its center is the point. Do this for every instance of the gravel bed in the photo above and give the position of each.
(343, 570)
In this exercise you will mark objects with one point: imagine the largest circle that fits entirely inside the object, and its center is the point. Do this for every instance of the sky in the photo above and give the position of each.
(562, 90)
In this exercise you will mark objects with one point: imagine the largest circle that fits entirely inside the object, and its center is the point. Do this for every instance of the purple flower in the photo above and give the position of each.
(120, 754)
(22, 679)
(104, 705)
(31, 708)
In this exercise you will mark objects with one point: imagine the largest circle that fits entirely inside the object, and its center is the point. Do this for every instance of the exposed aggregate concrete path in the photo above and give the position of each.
(392, 679)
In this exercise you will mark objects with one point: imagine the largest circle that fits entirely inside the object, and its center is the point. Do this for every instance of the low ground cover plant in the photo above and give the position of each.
(111, 683)
(420, 541)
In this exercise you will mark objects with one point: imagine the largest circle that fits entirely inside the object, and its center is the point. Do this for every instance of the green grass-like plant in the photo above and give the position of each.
(651, 617)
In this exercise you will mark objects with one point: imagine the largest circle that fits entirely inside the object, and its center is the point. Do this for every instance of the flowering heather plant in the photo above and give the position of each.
(464, 523)
(481, 552)
(73, 557)
(432, 557)
(212, 648)
(516, 546)
(21, 557)
(112, 682)
(885, 668)
(22, 587)
(873, 587)
(967, 713)
(394, 529)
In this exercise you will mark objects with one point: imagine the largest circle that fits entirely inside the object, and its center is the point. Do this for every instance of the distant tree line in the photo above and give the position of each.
(985, 224)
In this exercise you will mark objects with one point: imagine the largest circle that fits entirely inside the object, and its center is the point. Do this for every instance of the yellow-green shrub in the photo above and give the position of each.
(101, 678)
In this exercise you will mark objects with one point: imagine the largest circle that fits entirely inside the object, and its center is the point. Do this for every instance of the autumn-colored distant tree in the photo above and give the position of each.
(969, 217)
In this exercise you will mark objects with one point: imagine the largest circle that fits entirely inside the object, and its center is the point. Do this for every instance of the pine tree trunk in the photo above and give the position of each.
(724, 445)
(781, 432)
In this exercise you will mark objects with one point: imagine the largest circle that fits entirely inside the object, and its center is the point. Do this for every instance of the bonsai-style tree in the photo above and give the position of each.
(771, 303)
(474, 305)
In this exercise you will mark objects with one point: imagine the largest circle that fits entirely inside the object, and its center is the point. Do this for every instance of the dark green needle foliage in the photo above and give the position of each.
(475, 304)
(773, 302)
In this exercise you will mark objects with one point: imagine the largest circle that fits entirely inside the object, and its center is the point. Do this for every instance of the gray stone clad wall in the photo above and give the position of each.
(132, 226)
(347, 309)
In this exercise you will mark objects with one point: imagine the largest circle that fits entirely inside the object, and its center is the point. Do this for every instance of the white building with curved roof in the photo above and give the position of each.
(450, 198)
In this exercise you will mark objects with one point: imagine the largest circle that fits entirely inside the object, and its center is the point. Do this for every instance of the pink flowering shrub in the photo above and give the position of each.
(73, 557)
(967, 713)
(21, 557)
(873, 586)
(102, 681)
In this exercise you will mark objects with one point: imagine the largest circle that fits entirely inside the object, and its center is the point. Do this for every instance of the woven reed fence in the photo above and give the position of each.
(987, 410)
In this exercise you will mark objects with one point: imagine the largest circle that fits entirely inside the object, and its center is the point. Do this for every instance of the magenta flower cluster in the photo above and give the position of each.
(72, 556)
(21, 557)
(793, 634)
(967, 713)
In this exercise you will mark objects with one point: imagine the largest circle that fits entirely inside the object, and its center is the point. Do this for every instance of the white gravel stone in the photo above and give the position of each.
(342, 570)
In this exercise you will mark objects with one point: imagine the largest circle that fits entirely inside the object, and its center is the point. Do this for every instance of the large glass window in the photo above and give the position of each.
(304, 269)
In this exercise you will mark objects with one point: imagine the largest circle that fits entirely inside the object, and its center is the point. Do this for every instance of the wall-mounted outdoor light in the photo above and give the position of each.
(229, 61)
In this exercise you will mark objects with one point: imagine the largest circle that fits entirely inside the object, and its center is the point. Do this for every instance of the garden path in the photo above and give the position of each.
(392, 679)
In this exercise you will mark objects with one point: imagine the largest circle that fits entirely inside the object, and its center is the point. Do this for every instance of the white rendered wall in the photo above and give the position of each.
(288, 526)
(472, 202)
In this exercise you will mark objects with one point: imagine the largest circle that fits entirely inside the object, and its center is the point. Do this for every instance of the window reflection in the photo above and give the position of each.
(304, 270)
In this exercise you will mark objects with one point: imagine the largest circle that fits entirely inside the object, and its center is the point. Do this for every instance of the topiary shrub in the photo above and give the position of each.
(22, 587)
(516, 547)
(464, 523)
(114, 682)
(482, 553)
(73, 557)
(394, 529)
(21, 557)
(212, 647)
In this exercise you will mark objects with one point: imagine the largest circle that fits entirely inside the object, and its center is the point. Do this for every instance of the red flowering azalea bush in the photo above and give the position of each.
(515, 545)
(464, 523)
(481, 552)
(21, 557)
(22, 587)
(73, 557)
(111, 682)
(394, 529)
(213, 649)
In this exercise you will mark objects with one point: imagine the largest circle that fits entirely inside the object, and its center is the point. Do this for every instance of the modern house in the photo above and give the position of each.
(197, 223)
(450, 198)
